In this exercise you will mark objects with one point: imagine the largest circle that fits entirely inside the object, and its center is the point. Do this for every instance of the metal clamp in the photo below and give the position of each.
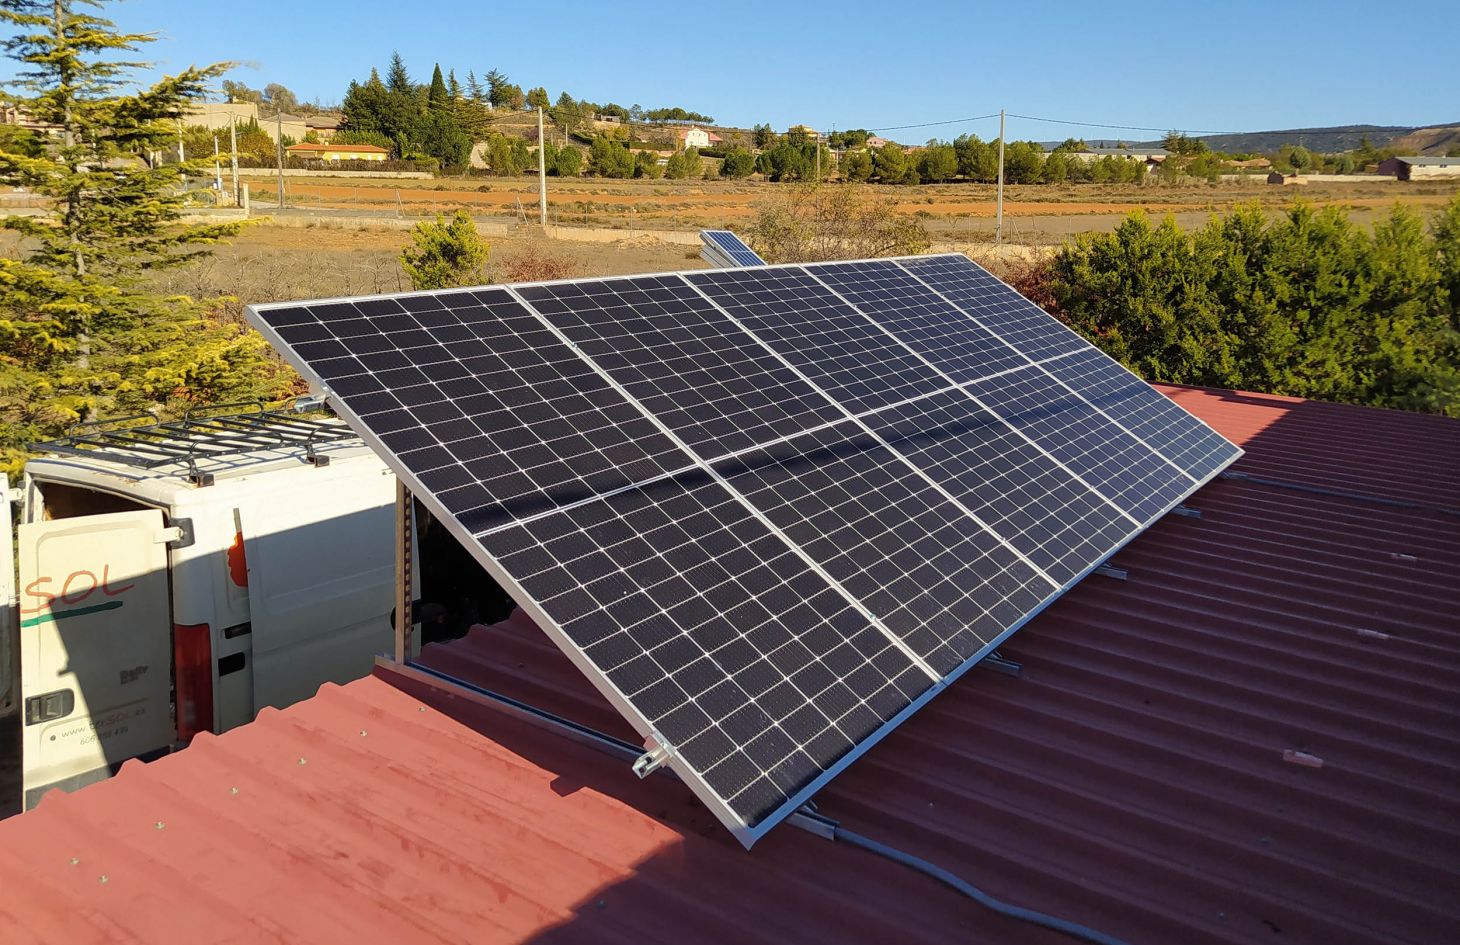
(652, 760)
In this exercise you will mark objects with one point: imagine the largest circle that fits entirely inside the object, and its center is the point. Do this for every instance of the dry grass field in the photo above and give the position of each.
(269, 263)
(1035, 215)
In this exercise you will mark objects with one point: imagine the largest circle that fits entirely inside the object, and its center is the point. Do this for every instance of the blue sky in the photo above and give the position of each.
(1227, 67)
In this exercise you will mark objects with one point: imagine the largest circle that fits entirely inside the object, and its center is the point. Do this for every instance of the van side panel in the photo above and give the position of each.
(321, 572)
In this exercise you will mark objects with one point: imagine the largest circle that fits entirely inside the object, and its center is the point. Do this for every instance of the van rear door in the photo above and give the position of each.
(96, 646)
(321, 584)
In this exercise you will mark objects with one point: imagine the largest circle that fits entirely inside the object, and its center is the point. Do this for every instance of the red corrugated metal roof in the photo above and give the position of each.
(1253, 739)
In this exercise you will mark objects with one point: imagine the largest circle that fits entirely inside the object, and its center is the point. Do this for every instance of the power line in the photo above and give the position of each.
(930, 124)
(1097, 124)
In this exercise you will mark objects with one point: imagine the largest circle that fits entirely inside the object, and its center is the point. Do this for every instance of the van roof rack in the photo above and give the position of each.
(201, 434)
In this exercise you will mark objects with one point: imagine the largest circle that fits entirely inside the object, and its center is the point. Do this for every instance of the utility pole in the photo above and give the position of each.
(233, 154)
(217, 170)
(182, 154)
(999, 222)
(279, 150)
(541, 171)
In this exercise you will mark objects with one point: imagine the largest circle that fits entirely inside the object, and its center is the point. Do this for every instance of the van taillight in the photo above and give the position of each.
(192, 660)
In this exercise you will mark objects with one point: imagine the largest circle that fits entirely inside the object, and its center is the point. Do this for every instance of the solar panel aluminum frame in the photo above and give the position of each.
(745, 833)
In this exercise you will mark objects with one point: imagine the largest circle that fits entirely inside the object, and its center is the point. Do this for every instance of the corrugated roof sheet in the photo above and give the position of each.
(1253, 739)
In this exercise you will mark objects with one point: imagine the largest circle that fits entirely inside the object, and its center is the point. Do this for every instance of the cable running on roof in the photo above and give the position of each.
(1063, 926)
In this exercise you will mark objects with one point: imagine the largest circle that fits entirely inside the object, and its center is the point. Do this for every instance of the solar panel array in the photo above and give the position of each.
(725, 250)
(769, 511)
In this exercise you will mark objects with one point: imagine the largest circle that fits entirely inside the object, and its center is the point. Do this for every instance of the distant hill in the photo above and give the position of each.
(1409, 139)
(1424, 139)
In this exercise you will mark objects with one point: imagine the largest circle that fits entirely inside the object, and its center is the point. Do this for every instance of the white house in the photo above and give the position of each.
(696, 137)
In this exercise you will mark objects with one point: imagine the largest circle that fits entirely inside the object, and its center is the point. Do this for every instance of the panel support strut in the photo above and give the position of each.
(1000, 663)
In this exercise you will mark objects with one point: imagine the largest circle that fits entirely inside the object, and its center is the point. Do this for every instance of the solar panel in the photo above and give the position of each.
(724, 249)
(769, 512)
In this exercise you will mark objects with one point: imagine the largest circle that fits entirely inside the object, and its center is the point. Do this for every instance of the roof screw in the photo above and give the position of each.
(160, 825)
(75, 860)
(233, 790)
(421, 709)
(303, 762)
(363, 733)
(103, 879)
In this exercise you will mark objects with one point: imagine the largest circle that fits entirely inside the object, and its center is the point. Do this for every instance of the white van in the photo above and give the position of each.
(176, 578)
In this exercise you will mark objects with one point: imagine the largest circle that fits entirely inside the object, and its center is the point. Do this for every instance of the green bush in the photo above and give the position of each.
(1309, 304)
(445, 253)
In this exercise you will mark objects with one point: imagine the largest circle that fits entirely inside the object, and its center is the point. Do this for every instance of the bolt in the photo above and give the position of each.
(303, 762)
(160, 825)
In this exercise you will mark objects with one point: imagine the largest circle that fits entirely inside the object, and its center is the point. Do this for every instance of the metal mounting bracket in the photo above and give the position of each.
(1000, 663)
(1186, 511)
(652, 760)
(1111, 571)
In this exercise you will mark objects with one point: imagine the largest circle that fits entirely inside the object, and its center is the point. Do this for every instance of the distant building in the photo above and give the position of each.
(17, 115)
(324, 127)
(1151, 157)
(1258, 164)
(876, 141)
(1420, 168)
(696, 137)
(337, 152)
(811, 133)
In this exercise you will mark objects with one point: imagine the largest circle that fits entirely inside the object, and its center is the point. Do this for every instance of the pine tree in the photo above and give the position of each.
(82, 331)
(399, 80)
(438, 97)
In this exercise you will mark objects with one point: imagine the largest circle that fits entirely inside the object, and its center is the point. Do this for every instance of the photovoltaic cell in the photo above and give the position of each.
(843, 354)
(481, 403)
(684, 360)
(945, 585)
(1024, 325)
(1147, 413)
(918, 316)
(1033, 502)
(739, 654)
(767, 511)
(1074, 433)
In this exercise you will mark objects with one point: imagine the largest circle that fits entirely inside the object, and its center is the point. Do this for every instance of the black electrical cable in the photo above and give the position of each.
(1050, 922)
